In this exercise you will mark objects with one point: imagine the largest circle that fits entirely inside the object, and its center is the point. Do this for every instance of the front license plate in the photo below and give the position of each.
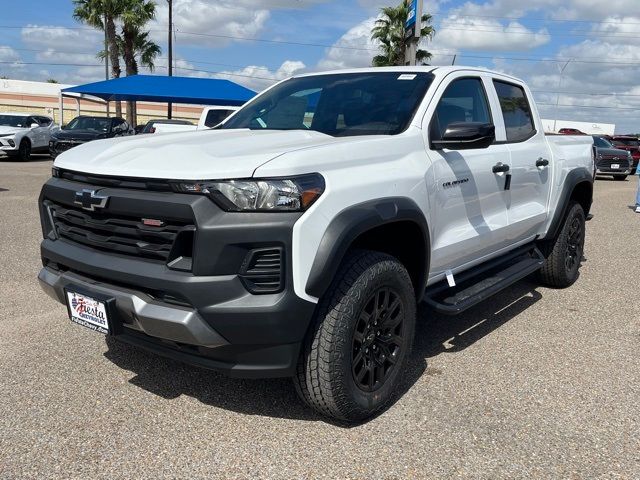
(615, 166)
(88, 312)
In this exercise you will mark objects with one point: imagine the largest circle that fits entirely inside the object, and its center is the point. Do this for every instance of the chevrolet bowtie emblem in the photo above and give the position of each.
(89, 200)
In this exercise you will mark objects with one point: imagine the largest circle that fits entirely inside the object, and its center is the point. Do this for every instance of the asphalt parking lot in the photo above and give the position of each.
(536, 383)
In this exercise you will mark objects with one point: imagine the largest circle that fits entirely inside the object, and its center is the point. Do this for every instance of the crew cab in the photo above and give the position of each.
(85, 129)
(297, 239)
(24, 133)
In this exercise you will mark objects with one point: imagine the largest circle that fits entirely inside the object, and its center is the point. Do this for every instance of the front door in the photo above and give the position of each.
(468, 200)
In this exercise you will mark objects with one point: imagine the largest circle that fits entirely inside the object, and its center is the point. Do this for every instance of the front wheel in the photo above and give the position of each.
(620, 178)
(24, 151)
(564, 254)
(354, 356)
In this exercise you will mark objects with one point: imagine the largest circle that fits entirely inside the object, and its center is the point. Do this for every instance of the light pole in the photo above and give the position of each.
(106, 56)
(170, 43)
(562, 69)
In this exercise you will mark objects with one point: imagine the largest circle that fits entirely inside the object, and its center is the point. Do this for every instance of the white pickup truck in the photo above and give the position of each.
(209, 118)
(299, 237)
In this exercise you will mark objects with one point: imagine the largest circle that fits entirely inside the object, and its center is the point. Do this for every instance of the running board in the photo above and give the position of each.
(479, 283)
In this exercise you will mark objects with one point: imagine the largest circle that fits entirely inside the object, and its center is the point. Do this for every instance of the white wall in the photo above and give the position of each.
(586, 127)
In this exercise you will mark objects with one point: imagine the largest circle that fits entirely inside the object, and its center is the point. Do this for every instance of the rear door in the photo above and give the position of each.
(469, 206)
(530, 160)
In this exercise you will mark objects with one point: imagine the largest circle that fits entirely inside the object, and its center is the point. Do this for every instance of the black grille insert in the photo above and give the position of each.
(262, 270)
(116, 233)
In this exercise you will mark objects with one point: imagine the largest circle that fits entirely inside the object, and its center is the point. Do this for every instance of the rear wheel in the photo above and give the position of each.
(620, 178)
(24, 150)
(354, 356)
(564, 254)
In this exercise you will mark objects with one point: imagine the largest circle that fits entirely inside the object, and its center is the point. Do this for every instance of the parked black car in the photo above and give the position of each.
(83, 129)
(150, 127)
(612, 161)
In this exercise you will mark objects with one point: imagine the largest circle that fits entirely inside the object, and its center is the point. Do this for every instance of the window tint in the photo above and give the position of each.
(601, 142)
(464, 101)
(368, 103)
(44, 121)
(518, 119)
(214, 117)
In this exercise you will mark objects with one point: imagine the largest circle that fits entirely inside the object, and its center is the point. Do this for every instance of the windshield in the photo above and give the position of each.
(368, 103)
(601, 142)
(89, 123)
(626, 142)
(13, 121)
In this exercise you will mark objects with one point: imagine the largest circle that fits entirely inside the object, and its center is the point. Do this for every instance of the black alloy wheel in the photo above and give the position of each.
(377, 339)
(575, 245)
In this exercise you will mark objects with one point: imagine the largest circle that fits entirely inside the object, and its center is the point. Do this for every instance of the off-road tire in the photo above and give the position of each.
(620, 178)
(558, 270)
(24, 150)
(325, 379)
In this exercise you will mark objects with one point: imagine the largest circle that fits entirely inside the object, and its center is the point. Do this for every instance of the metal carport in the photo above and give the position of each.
(152, 88)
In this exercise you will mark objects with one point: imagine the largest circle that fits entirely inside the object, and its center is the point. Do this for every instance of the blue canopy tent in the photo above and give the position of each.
(152, 88)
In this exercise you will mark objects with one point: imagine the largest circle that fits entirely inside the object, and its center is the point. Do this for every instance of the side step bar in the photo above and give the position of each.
(479, 283)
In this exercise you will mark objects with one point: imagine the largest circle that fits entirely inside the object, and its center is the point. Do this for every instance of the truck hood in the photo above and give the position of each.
(7, 130)
(201, 155)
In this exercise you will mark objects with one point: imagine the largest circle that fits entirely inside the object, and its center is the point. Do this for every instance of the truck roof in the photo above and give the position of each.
(412, 69)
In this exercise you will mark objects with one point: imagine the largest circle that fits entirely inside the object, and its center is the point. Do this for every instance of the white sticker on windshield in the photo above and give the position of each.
(407, 76)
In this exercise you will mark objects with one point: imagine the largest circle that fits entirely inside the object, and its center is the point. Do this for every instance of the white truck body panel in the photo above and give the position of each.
(471, 214)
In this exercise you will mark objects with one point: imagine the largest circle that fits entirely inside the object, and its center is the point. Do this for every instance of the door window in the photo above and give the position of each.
(464, 101)
(518, 119)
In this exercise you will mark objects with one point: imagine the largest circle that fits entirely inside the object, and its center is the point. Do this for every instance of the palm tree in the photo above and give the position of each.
(389, 31)
(102, 14)
(135, 42)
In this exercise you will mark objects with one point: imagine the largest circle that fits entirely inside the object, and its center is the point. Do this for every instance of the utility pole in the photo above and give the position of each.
(106, 56)
(412, 29)
(562, 69)
(170, 43)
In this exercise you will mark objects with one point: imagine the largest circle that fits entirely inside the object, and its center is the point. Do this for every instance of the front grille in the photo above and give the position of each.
(605, 163)
(262, 270)
(116, 233)
(60, 147)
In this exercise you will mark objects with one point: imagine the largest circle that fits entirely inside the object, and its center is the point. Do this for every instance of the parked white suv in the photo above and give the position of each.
(298, 238)
(22, 134)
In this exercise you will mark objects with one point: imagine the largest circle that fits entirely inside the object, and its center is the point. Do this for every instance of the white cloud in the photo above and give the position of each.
(52, 37)
(224, 19)
(258, 78)
(354, 49)
(488, 34)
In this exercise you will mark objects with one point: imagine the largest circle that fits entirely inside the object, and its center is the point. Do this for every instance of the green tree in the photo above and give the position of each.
(52, 80)
(134, 43)
(389, 32)
(103, 14)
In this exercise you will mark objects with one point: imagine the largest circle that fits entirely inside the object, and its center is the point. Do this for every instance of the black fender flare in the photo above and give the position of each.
(352, 222)
(574, 178)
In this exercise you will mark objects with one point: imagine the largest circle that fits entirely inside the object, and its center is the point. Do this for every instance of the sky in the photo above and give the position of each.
(583, 55)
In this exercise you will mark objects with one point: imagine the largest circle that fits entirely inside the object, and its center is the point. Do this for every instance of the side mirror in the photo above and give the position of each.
(34, 125)
(466, 136)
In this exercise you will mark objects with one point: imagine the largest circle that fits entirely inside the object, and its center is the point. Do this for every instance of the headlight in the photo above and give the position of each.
(599, 156)
(293, 194)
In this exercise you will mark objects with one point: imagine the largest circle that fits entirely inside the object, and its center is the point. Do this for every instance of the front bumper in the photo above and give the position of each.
(203, 315)
(6, 144)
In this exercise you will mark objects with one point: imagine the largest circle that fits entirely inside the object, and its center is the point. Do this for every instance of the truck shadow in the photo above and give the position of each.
(435, 334)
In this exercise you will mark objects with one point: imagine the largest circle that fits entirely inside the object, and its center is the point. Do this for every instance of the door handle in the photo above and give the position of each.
(542, 162)
(500, 168)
